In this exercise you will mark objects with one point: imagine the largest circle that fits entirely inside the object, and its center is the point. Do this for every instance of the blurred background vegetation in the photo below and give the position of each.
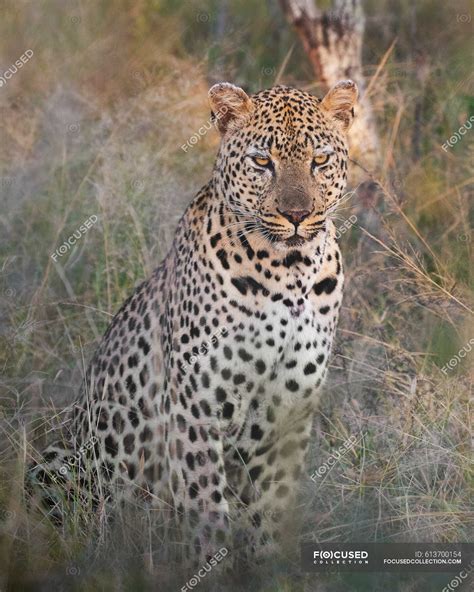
(94, 124)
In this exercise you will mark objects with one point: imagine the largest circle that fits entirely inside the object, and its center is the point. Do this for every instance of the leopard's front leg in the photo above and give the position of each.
(269, 487)
(198, 484)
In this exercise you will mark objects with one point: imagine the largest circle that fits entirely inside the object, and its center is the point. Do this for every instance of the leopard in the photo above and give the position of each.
(201, 394)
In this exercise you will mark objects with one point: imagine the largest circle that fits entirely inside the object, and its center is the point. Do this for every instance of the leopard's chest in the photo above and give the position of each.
(276, 368)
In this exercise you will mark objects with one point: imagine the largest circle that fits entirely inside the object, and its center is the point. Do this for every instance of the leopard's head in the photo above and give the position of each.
(282, 162)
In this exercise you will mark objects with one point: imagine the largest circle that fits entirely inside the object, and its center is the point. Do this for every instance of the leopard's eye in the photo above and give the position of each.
(321, 159)
(261, 161)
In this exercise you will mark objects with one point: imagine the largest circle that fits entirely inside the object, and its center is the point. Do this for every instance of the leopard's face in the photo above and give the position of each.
(282, 164)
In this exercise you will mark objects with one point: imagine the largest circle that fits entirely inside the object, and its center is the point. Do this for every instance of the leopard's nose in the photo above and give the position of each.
(295, 216)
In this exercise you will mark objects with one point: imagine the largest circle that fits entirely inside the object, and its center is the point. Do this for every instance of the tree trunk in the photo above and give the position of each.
(333, 42)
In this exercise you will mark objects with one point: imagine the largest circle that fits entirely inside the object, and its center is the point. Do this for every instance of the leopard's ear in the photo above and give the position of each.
(230, 106)
(339, 102)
